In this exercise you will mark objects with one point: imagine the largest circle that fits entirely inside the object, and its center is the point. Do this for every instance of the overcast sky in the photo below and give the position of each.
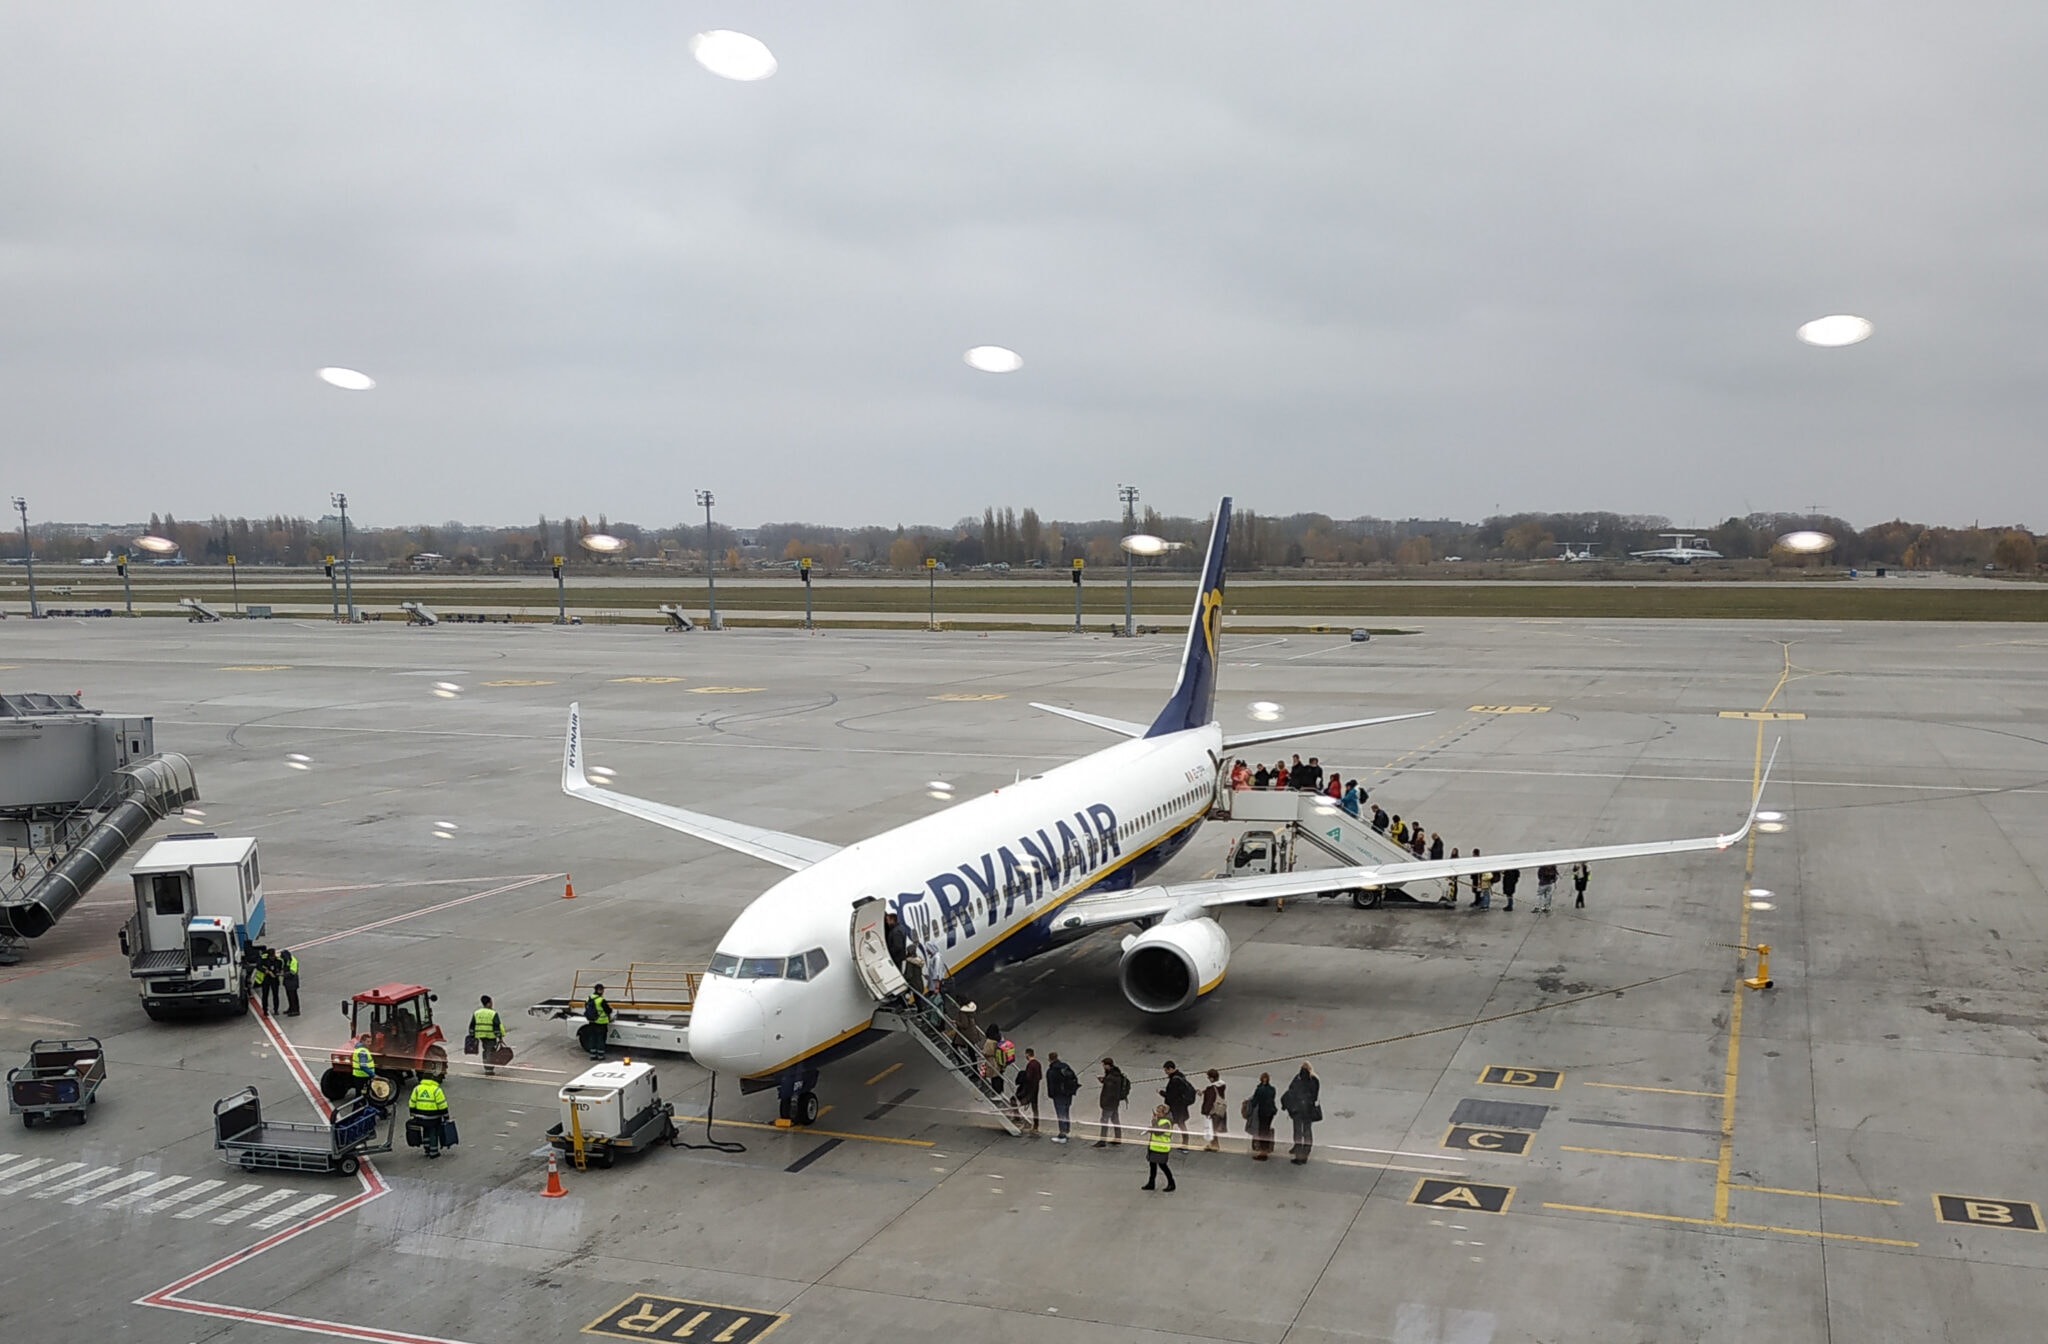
(1358, 258)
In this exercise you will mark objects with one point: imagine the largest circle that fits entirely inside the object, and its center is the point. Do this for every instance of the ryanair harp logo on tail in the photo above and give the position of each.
(1212, 617)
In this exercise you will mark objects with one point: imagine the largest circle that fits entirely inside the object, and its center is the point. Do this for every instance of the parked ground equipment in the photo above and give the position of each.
(245, 1139)
(612, 1109)
(198, 907)
(650, 1005)
(61, 1078)
(398, 1021)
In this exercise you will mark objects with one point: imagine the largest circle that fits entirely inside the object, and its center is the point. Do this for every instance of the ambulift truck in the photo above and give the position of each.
(198, 908)
(650, 1003)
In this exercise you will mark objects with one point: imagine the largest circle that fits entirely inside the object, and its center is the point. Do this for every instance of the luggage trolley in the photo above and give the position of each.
(245, 1139)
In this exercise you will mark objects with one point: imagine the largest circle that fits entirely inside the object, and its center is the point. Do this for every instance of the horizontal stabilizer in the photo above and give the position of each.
(1233, 741)
(778, 847)
(1122, 726)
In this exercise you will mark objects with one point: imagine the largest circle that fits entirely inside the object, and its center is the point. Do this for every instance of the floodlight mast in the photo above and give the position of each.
(705, 498)
(28, 551)
(1129, 495)
(348, 568)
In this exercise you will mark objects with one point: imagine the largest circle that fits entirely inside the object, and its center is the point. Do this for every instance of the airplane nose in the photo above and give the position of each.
(727, 1028)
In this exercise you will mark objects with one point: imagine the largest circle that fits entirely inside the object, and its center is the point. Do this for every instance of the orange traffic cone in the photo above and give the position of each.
(568, 888)
(554, 1190)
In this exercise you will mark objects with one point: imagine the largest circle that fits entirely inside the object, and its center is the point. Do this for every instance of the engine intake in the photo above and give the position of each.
(1169, 966)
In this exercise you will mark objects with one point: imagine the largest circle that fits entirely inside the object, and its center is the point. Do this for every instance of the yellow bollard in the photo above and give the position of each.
(1762, 978)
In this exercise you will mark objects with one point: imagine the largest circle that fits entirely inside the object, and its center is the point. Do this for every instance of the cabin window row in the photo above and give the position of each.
(803, 966)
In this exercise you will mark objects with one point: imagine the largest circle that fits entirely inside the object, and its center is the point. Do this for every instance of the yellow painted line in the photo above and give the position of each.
(1618, 1152)
(1509, 709)
(961, 695)
(812, 1129)
(259, 667)
(650, 681)
(1813, 1194)
(521, 681)
(883, 1074)
(722, 690)
(1741, 1227)
(1765, 715)
(1668, 1091)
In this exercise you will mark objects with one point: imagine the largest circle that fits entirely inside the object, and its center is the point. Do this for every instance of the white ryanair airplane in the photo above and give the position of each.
(798, 977)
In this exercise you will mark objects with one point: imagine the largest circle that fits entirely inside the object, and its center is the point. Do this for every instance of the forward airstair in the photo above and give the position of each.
(926, 1019)
(417, 613)
(200, 611)
(678, 623)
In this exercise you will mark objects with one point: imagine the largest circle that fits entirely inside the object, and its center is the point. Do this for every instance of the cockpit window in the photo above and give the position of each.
(795, 969)
(816, 958)
(761, 968)
(724, 963)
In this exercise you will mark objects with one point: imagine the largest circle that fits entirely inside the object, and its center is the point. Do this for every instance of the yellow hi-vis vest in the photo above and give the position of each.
(363, 1062)
(486, 1025)
(428, 1098)
(1162, 1135)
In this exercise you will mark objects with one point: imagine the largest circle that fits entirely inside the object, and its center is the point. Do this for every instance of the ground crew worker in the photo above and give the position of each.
(362, 1064)
(265, 980)
(429, 1106)
(597, 1023)
(290, 966)
(489, 1030)
(1159, 1150)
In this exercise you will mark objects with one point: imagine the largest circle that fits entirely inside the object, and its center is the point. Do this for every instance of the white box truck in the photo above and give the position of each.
(198, 907)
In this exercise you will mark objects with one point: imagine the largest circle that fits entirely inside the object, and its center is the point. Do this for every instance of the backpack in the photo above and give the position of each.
(1006, 1054)
(1060, 1080)
(1119, 1085)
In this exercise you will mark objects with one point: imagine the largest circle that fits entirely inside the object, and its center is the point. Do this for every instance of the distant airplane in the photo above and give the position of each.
(106, 559)
(1577, 552)
(1685, 548)
(799, 977)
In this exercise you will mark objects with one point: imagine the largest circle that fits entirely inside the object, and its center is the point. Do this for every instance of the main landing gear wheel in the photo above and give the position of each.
(807, 1108)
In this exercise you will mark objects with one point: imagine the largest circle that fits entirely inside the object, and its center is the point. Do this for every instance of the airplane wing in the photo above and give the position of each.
(1233, 741)
(1189, 899)
(777, 847)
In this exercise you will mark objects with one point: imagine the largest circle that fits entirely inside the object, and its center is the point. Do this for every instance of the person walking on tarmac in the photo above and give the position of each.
(1061, 1083)
(362, 1065)
(487, 1029)
(1159, 1151)
(1116, 1089)
(289, 965)
(429, 1106)
(1303, 1103)
(1179, 1096)
(597, 1024)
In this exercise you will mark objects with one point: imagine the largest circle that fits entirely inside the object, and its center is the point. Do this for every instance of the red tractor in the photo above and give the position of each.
(399, 1022)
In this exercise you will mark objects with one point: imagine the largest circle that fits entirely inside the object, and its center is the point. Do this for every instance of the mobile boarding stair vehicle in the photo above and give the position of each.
(61, 1078)
(245, 1139)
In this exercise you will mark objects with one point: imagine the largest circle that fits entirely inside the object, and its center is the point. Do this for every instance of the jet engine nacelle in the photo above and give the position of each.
(1169, 966)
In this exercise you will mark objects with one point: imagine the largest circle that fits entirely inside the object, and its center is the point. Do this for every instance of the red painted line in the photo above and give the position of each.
(424, 910)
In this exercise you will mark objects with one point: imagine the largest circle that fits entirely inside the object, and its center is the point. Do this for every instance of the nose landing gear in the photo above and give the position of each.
(797, 1098)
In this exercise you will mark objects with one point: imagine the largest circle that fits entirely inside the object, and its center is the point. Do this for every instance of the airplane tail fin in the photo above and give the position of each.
(1193, 703)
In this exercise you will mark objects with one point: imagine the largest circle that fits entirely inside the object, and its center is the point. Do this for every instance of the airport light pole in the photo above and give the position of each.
(803, 567)
(1079, 564)
(127, 594)
(28, 549)
(931, 590)
(235, 583)
(705, 498)
(348, 568)
(1129, 495)
(333, 593)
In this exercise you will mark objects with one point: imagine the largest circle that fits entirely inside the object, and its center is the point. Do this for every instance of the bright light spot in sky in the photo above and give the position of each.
(1837, 329)
(1770, 827)
(1265, 711)
(447, 826)
(1144, 543)
(1760, 892)
(733, 55)
(1761, 905)
(994, 359)
(602, 543)
(156, 545)
(298, 760)
(195, 821)
(1806, 543)
(447, 690)
(939, 785)
(1770, 816)
(348, 380)
(603, 771)
(443, 835)
(940, 795)
(194, 812)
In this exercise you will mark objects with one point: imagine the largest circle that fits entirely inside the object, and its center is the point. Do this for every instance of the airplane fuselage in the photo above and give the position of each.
(978, 881)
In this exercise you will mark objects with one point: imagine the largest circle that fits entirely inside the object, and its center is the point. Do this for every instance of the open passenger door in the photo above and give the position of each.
(871, 960)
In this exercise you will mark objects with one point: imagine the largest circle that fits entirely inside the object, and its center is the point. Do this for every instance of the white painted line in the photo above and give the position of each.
(36, 1162)
(88, 1196)
(189, 1192)
(96, 1174)
(137, 1196)
(237, 1215)
(227, 1197)
(291, 1211)
(5, 1158)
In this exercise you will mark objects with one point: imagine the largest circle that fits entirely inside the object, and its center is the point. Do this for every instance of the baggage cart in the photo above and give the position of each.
(247, 1140)
(61, 1078)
